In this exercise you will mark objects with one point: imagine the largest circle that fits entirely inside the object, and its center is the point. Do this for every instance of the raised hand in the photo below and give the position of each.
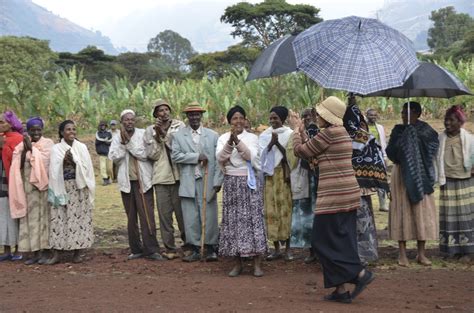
(27, 143)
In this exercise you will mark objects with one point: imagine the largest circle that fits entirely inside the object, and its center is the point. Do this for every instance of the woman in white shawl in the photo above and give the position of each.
(28, 191)
(71, 193)
(277, 193)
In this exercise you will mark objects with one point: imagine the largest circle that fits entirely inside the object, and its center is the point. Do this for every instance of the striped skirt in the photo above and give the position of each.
(456, 216)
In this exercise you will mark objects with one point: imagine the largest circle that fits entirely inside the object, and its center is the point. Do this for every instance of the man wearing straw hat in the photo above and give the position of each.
(134, 179)
(194, 150)
(165, 177)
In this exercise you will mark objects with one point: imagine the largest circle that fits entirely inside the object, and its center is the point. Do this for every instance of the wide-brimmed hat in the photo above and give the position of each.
(194, 107)
(332, 110)
(158, 103)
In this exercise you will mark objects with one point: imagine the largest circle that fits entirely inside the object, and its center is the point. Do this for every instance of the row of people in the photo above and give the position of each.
(188, 164)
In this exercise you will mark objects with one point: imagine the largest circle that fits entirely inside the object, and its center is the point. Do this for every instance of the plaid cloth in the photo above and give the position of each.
(3, 181)
(355, 54)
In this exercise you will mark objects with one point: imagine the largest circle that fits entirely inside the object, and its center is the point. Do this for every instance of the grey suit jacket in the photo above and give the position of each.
(185, 155)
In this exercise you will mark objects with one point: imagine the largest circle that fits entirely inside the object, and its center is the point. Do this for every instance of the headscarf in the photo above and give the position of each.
(12, 119)
(234, 110)
(458, 112)
(62, 126)
(34, 121)
(281, 111)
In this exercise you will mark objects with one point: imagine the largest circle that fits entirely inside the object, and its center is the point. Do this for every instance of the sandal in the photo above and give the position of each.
(17, 257)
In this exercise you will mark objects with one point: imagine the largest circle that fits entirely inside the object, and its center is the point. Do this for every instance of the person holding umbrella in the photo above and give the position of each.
(456, 199)
(334, 225)
(193, 149)
(412, 148)
(135, 182)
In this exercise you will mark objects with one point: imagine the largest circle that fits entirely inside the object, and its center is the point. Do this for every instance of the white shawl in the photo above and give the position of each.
(84, 171)
(271, 159)
(467, 142)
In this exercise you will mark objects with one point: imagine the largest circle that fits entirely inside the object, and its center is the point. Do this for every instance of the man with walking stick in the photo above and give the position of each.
(194, 151)
(135, 183)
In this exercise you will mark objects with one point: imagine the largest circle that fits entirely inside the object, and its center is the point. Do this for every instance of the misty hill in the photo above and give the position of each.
(25, 18)
(411, 17)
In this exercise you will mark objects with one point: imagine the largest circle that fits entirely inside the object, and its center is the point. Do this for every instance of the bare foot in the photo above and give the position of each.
(403, 262)
(423, 260)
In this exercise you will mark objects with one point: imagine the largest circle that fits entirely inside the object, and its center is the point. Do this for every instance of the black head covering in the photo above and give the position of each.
(234, 110)
(62, 126)
(281, 111)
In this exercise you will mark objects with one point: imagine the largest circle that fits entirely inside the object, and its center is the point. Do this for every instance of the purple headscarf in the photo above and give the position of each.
(34, 121)
(12, 119)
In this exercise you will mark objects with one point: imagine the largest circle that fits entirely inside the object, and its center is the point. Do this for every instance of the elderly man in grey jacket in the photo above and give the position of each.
(134, 180)
(165, 177)
(194, 150)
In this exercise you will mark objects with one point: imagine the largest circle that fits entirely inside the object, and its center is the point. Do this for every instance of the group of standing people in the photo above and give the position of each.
(307, 186)
(47, 192)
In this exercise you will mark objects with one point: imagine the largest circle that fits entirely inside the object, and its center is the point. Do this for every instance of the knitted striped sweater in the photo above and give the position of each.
(338, 190)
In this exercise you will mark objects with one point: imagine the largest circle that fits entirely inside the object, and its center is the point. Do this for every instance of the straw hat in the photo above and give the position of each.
(194, 107)
(332, 110)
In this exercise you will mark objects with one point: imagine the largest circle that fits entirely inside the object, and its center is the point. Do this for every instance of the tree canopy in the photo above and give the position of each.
(220, 63)
(451, 34)
(262, 23)
(174, 48)
(25, 66)
(448, 27)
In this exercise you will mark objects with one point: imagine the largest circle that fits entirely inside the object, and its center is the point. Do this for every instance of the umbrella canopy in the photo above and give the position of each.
(355, 54)
(277, 59)
(428, 80)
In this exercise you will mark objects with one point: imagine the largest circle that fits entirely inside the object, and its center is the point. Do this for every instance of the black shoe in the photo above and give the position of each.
(211, 257)
(193, 257)
(274, 256)
(155, 257)
(362, 283)
(339, 297)
(134, 256)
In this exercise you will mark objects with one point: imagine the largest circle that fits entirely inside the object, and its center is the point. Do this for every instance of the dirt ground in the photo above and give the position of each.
(106, 282)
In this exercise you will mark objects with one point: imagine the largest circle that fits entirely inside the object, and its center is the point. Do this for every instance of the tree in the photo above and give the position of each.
(448, 27)
(94, 64)
(262, 23)
(26, 64)
(148, 66)
(220, 63)
(174, 49)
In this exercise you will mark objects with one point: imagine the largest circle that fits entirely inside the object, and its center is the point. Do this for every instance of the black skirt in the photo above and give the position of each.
(335, 243)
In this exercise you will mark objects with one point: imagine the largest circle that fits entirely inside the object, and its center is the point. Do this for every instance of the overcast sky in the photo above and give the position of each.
(95, 13)
(111, 17)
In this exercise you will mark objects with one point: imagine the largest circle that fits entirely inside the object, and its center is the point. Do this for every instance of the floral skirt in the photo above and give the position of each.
(71, 225)
(242, 231)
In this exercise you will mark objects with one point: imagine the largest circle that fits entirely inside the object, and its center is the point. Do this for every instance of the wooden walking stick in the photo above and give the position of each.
(203, 212)
(140, 190)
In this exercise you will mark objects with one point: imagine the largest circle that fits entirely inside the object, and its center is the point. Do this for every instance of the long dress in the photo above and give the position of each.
(34, 227)
(71, 224)
(277, 192)
(242, 230)
(8, 226)
(456, 196)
